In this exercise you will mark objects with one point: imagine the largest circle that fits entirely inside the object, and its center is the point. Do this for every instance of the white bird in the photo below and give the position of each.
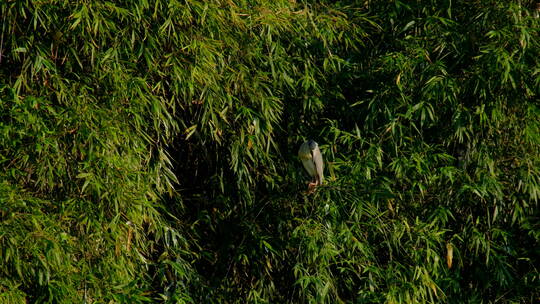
(311, 158)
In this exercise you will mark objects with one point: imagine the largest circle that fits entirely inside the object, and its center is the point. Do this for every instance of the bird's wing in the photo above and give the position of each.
(304, 151)
(310, 167)
(319, 165)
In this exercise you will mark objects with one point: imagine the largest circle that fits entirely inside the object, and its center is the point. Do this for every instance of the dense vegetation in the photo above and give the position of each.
(148, 151)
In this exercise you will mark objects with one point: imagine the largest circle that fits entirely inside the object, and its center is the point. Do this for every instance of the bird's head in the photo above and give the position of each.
(312, 144)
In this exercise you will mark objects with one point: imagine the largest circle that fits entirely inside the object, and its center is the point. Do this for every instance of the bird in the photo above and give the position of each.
(311, 158)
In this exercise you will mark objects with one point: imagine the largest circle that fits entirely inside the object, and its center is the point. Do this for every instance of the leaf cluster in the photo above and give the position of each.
(148, 151)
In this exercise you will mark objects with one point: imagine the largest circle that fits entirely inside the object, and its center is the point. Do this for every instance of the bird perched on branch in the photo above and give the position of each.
(311, 158)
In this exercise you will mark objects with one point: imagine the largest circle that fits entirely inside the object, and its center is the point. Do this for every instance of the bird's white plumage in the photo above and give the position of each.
(312, 160)
(310, 166)
(319, 165)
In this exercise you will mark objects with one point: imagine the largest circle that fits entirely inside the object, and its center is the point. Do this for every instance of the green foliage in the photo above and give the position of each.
(149, 151)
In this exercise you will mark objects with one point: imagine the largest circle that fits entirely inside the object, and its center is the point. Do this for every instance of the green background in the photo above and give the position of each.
(149, 151)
